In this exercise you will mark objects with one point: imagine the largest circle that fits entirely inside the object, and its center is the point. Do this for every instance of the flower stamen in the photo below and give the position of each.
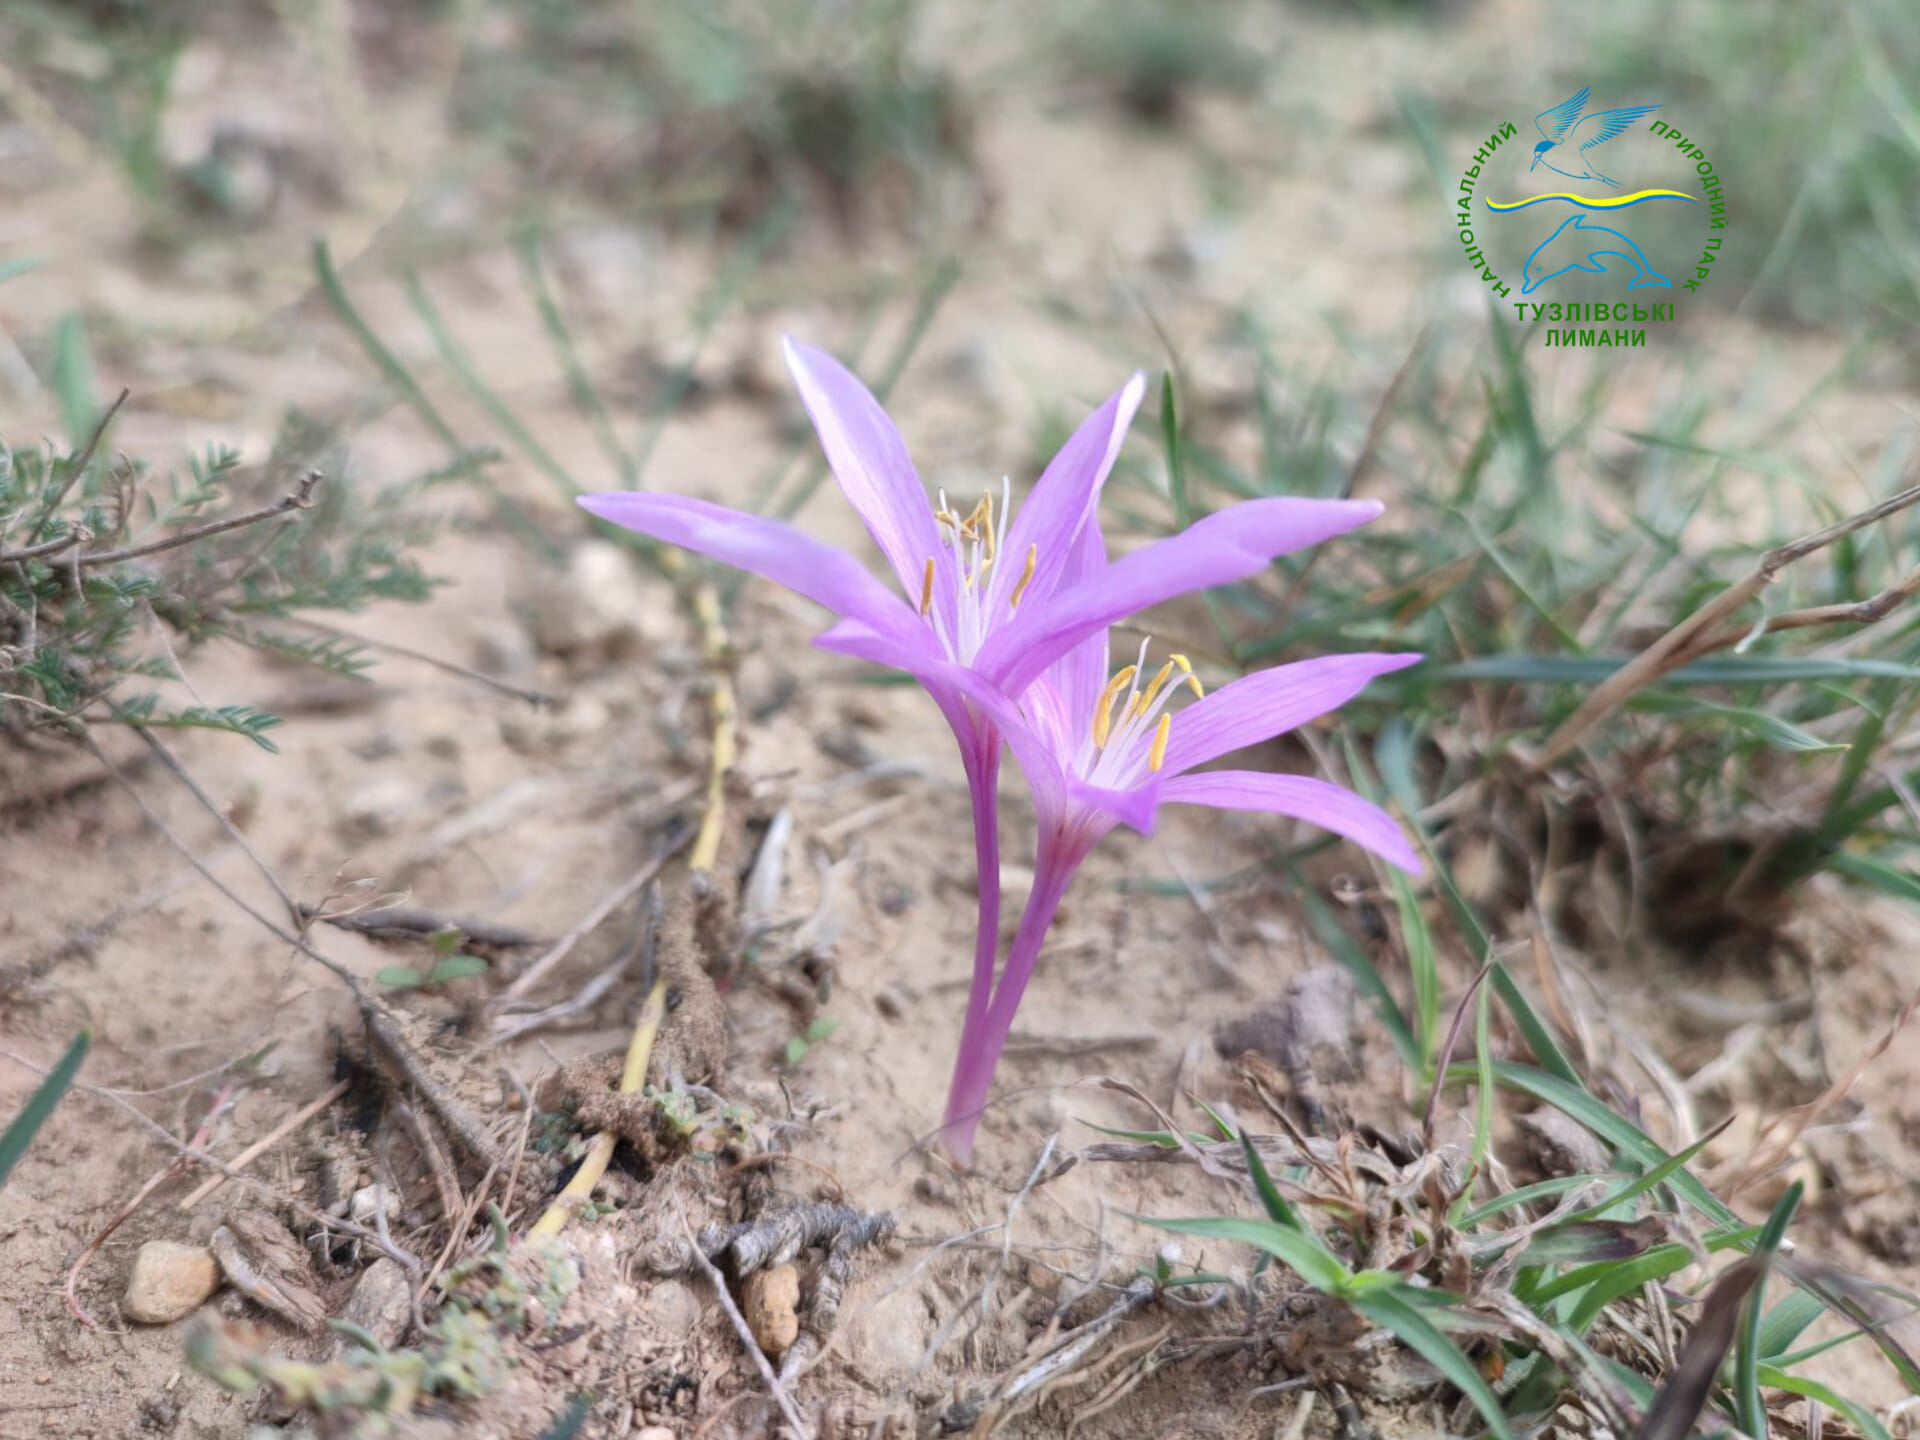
(1033, 559)
(1103, 712)
(926, 590)
(979, 525)
(1157, 756)
(1188, 677)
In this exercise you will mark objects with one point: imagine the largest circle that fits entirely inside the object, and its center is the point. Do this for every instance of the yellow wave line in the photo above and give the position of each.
(1604, 202)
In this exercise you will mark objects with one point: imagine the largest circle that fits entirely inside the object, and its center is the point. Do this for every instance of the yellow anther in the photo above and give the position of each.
(970, 526)
(1193, 680)
(1152, 692)
(926, 589)
(1157, 756)
(982, 522)
(1033, 558)
(1103, 712)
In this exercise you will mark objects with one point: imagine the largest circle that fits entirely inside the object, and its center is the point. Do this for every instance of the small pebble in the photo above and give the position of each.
(169, 1280)
(670, 1308)
(770, 1300)
(369, 1203)
(381, 1303)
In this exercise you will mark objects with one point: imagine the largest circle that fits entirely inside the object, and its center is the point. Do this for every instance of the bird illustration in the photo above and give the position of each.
(1567, 136)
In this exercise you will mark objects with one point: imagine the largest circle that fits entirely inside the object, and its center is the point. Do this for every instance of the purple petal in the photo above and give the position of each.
(1066, 495)
(1270, 702)
(807, 566)
(1136, 808)
(1331, 807)
(870, 461)
(1081, 674)
(1037, 745)
(1227, 546)
(927, 663)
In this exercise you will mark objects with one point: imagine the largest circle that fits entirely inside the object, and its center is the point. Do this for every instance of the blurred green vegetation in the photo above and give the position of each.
(1811, 115)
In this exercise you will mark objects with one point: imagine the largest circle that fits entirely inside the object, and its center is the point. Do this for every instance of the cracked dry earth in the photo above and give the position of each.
(476, 803)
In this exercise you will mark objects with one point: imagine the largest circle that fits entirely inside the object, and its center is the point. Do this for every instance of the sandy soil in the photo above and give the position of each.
(477, 803)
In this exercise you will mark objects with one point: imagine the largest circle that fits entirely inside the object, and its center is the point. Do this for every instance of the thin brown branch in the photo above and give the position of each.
(1675, 648)
(267, 1141)
(1770, 1148)
(177, 1166)
(464, 1124)
(402, 922)
(1858, 612)
(608, 903)
(179, 772)
(214, 1162)
(45, 547)
(298, 942)
(300, 499)
(505, 687)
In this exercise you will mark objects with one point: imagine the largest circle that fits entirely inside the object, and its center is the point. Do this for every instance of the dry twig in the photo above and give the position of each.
(266, 1142)
(535, 698)
(177, 1166)
(1701, 631)
(466, 1128)
(591, 921)
(300, 498)
(398, 922)
(740, 1328)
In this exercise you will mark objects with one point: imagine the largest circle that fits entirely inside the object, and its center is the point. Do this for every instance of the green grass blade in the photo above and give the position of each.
(1648, 1180)
(1526, 1195)
(1750, 1405)
(1686, 1390)
(73, 378)
(1608, 1280)
(586, 398)
(1714, 670)
(1859, 1416)
(1366, 975)
(454, 356)
(1534, 1030)
(384, 360)
(1176, 464)
(21, 1130)
(1898, 884)
(1299, 1250)
(1620, 1133)
(1271, 1200)
(1787, 1321)
(1390, 1310)
(1483, 1101)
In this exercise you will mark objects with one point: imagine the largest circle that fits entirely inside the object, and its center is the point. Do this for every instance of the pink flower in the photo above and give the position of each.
(989, 602)
(1099, 752)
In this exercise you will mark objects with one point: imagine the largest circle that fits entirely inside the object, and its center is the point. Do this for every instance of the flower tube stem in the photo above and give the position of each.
(981, 1044)
(983, 775)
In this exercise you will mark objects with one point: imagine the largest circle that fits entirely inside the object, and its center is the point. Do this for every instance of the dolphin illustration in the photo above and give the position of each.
(1586, 247)
(1566, 136)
